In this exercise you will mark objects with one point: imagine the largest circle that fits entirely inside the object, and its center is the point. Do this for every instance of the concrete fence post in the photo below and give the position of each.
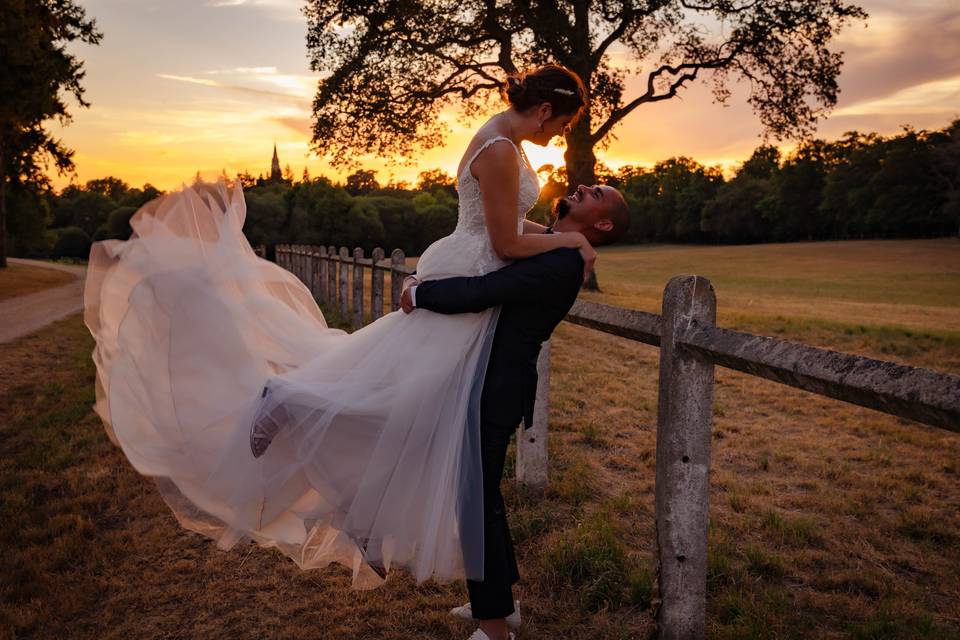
(532, 442)
(320, 276)
(332, 276)
(309, 258)
(344, 276)
(397, 260)
(357, 288)
(684, 416)
(376, 284)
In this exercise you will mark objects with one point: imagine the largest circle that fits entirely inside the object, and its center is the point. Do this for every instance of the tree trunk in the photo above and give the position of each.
(579, 157)
(3, 212)
(581, 162)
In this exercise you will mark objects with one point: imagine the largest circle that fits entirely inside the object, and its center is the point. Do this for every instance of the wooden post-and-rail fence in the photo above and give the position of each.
(690, 346)
(337, 278)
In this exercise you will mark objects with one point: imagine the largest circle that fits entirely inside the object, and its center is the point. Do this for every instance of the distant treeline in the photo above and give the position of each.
(861, 186)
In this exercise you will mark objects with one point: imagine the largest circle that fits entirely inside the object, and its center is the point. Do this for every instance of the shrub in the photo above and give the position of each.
(72, 242)
(118, 222)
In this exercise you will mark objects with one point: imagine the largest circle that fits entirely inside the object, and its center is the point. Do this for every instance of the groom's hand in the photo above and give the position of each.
(406, 298)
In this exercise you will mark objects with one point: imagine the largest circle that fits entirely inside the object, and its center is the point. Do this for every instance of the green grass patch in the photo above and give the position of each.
(592, 559)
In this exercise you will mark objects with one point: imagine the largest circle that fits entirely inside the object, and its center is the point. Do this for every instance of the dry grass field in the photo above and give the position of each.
(20, 279)
(827, 520)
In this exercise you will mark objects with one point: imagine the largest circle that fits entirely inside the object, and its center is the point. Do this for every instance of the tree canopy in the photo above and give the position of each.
(393, 66)
(36, 74)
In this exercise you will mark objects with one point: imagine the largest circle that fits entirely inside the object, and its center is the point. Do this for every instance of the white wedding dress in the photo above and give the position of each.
(196, 337)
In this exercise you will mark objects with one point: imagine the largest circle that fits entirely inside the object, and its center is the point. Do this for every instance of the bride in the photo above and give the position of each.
(373, 458)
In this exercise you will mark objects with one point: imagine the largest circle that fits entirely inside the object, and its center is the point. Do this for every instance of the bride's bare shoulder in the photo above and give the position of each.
(487, 132)
(491, 157)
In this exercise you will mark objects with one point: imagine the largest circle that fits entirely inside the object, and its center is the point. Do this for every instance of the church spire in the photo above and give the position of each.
(275, 174)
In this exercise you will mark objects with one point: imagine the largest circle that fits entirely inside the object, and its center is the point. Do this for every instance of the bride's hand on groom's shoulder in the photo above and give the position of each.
(578, 241)
(587, 252)
(589, 255)
(406, 297)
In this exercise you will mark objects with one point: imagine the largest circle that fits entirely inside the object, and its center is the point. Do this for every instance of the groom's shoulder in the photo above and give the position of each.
(562, 261)
(561, 253)
(564, 255)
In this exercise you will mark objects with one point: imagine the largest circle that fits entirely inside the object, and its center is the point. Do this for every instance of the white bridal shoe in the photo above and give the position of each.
(466, 613)
(480, 635)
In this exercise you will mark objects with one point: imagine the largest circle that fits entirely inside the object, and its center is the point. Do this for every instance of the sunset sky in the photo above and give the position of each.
(178, 86)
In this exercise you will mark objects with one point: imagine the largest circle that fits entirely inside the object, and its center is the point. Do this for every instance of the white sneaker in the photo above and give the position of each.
(480, 635)
(466, 613)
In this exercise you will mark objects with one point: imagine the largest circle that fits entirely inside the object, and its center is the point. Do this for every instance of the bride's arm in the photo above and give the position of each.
(529, 226)
(497, 171)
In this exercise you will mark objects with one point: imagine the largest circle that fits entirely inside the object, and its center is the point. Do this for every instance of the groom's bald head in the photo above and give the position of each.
(599, 212)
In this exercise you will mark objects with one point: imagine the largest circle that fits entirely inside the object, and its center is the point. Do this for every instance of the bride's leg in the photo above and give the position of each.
(266, 426)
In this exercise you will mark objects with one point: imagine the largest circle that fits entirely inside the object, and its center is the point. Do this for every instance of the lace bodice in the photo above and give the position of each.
(468, 250)
(470, 218)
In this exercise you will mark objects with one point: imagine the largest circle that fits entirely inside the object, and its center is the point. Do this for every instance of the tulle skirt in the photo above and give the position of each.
(197, 337)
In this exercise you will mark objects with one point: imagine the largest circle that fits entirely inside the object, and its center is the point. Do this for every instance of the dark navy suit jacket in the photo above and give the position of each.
(535, 294)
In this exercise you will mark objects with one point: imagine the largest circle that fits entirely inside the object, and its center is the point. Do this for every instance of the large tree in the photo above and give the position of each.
(36, 74)
(392, 65)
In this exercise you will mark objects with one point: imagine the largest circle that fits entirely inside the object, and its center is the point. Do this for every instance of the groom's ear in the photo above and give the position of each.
(603, 225)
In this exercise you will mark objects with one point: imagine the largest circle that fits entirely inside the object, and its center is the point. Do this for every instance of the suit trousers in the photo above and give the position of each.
(493, 597)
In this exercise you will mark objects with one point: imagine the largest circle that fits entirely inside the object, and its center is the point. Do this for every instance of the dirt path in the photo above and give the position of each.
(25, 314)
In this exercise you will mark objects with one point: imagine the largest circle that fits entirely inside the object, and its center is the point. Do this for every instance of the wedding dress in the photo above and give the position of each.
(377, 459)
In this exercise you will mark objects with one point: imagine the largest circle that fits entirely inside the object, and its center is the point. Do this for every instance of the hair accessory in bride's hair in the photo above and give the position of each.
(566, 92)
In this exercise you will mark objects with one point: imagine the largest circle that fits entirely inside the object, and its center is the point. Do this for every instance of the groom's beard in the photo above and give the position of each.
(561, 207)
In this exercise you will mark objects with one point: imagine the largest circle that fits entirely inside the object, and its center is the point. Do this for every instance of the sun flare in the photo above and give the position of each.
(551, 154)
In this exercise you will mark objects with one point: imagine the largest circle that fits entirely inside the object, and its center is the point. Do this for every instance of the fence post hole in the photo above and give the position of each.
(332, 276)
(397, 259)
(321, 275)
(684, 416)
(532, 441)
(344, 275)
(376, 285)
(357, 288)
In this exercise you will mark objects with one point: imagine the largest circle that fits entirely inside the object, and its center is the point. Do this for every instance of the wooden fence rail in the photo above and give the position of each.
(690, 346)
(338, 278)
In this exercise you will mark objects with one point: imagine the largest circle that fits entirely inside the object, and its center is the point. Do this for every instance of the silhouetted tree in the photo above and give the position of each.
(35, 70)
(111, 187)
(362, 182)
(394, 66)
(793, 205)
(946, 166)
(436, 179)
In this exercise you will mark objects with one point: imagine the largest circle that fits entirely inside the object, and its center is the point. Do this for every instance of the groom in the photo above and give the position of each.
(535, 294)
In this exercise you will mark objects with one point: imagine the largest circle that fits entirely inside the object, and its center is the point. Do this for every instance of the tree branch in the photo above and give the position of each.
(503, 36)
(725, 6)
(626, 18)
(690, 71)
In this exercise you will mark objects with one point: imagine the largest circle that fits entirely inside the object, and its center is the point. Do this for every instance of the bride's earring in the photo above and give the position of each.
(540, 130)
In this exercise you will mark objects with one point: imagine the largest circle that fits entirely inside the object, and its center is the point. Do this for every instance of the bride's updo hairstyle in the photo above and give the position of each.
(551, 83)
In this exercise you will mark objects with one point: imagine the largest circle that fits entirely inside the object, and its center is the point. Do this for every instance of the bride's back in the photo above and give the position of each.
(468, 250)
